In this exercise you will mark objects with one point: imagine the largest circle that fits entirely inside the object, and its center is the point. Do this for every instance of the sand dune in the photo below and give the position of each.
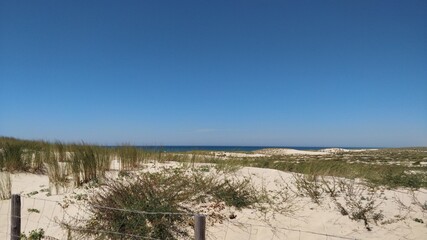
(304, 220)
(288, 151)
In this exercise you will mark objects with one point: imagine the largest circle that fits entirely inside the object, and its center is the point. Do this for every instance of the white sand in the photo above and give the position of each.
(285, 151)
(306, 216)
(325, 218)
(288, 151)
(236, 154)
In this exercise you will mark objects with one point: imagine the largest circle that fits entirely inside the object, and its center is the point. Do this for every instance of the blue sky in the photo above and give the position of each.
(284, 73)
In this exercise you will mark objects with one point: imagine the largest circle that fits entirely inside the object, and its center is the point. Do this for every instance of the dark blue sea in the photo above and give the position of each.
(227, 148)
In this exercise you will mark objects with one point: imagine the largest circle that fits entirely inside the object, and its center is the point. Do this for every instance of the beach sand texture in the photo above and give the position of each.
(304, 220)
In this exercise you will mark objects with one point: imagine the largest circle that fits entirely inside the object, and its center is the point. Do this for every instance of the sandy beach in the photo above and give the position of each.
(304, 219)
(237, 120)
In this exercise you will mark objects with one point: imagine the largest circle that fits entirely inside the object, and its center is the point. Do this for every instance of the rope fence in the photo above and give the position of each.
(26, 214)
(247, 231)
(56, 220)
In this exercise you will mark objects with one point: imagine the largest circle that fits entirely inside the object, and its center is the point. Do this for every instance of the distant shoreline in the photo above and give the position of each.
(172, 148)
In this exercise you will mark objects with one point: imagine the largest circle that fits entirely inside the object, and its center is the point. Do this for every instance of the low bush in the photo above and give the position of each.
(36, 234)
(403, 179)
(171, 191)
(359, 202)
(310, 186)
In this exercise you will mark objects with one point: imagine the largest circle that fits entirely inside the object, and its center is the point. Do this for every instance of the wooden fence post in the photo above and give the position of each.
(15, 226)
(200, 227)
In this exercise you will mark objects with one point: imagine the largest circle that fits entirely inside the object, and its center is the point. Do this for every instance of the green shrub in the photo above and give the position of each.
(35, 234)
(173, 190)
(235, 193)
(402, 179)
(33, 210)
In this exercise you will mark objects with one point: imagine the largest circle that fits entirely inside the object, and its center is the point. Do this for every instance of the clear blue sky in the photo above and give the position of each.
(290, 73)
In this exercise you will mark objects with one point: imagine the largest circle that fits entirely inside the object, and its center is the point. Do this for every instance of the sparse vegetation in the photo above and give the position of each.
(173, 190)
(56, 169)
(309, 185)
(391, 167)
(5, 185)
(36, 234)
(187, 189)
(355, 200)
(33, 210)
(12, 157)
(359, 202)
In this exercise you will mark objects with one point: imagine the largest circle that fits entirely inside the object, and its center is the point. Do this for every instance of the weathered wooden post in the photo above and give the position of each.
(15, 226)
(200, 227)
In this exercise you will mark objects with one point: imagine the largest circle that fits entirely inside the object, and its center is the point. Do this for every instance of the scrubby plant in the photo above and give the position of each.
(36, 234)
(234, 193)
(227, 166)
(417, 202)
(403, 179)
(33, 210)
(330, 186)
(204, 168)
(124, 206)
(310, 186)
(359, 202)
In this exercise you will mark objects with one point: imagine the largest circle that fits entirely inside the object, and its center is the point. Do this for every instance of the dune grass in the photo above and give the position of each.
(5, 185)
(391, 167)
(56, 169)
(129, 157)
(12, 157)
(83, 164)
(179, 190)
